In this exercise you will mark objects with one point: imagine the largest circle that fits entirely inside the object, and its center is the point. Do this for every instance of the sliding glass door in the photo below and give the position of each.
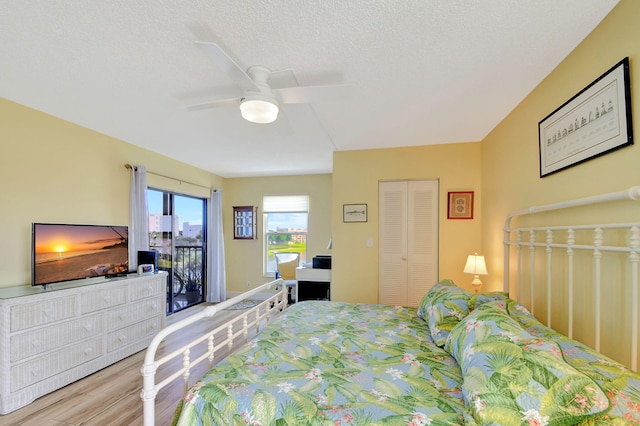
(177, 231)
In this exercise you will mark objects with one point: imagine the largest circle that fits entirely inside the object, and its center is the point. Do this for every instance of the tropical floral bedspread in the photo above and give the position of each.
(332, 363)
(459, 358)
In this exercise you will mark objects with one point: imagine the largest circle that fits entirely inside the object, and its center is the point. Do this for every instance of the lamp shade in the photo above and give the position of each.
(259, 109)
(475, 265)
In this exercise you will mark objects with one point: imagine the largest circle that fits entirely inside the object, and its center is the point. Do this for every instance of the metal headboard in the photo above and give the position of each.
(563, 239)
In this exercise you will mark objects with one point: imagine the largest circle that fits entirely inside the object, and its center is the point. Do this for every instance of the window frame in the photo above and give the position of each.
(270, 206)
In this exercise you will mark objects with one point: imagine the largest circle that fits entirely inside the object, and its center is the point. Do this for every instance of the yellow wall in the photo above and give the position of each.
(510, 165)
(510, 174)
(54, 171)
(355, 180)
(244, 257)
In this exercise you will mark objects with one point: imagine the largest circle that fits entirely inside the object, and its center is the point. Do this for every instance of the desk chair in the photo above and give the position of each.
(287, 264)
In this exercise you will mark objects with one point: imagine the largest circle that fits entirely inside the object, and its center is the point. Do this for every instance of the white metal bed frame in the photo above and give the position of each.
(239, 327)
(517, 237)
(513, 238)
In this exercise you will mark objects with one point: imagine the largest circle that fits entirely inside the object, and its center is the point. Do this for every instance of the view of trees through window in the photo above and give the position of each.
(285, 228)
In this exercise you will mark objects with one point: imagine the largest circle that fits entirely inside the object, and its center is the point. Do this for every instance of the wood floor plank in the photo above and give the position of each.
(126, 411)
(111, 396)
(73, 414)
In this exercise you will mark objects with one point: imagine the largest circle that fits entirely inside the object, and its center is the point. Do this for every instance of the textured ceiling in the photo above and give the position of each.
(420, 71)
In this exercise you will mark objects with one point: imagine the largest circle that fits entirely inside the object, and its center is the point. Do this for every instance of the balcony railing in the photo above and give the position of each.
(186, 280)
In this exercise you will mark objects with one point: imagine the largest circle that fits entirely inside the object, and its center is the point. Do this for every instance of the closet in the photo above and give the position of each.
(408, 235)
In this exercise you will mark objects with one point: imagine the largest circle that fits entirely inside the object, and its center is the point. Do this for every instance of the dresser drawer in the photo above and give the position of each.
(134, 313)
(101, 299)
(149, 286)
(44, 339)
(134, 333)
(41, 368)
(42, 313)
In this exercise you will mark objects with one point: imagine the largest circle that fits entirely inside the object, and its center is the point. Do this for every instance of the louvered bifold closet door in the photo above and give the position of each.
(422, 239)
(408, 250)
(392, 259)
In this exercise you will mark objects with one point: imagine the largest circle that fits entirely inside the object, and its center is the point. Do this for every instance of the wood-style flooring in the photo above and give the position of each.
(112, 396)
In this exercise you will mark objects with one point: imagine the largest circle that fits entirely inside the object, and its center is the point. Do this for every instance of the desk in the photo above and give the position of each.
(313, 284)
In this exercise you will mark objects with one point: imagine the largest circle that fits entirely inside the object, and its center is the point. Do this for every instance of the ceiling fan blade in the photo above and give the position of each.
(283, 78)
(214, 104)
(226, 64)
(311, 94)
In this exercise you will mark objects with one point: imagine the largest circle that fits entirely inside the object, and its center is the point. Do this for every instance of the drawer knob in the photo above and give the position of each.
(122, 338)
(35, 343)
(88, 351)
(35, 372)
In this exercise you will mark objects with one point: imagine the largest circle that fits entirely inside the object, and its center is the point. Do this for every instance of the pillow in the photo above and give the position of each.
(483, 298)
(512, 377)
(446, 304)
(443, 306)
(438, 287)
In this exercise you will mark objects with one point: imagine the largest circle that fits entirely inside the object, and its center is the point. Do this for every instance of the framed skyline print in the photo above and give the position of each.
(594, 122)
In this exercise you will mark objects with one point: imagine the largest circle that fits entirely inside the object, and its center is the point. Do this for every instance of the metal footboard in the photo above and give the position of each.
(228, 335)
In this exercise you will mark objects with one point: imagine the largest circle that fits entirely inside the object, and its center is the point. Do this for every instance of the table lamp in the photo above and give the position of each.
(475, 265)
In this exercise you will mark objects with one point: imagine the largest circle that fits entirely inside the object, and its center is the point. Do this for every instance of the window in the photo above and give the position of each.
(177, 231)
(285, 227)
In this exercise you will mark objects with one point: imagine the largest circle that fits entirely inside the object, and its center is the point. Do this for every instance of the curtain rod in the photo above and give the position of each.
(129, 166)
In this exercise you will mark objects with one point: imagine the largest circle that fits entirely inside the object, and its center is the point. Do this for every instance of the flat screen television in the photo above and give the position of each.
(63, 252)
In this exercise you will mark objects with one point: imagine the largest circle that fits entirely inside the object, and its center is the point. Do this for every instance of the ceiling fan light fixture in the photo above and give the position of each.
(259, 109)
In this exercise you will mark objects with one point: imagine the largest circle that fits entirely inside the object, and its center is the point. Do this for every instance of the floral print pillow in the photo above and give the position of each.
(444, 306)
(483, 298)
(511, 377)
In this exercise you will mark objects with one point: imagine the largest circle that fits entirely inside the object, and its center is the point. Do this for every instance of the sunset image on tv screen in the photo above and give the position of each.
(69, 252)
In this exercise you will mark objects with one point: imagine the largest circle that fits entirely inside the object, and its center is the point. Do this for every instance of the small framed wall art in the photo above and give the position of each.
(354, 213)
(460, 205)
(244, 222)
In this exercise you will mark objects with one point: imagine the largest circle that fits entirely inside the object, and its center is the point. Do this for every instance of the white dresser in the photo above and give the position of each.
(49, 339)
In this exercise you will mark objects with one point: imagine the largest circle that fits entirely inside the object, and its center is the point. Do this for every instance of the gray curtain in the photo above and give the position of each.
(216, 285)
(138, 215)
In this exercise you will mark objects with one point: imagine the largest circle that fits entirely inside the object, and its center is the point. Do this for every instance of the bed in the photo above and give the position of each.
(457, 358)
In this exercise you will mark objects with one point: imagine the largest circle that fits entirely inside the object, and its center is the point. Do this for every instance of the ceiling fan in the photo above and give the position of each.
(259, 103)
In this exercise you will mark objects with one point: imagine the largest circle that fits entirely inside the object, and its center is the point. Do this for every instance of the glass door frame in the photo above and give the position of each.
(184, 257)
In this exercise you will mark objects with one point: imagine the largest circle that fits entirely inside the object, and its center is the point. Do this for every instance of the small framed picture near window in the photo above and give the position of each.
(354, 213)
(460, 205)
(244, 222)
